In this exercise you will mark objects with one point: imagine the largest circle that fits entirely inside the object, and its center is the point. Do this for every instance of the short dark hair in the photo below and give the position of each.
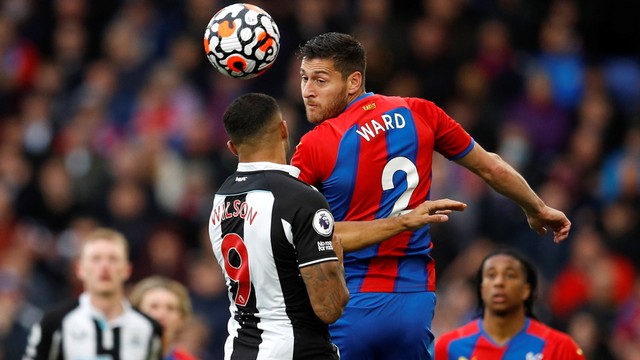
(530, 273)
(347, 53)
(247, 116)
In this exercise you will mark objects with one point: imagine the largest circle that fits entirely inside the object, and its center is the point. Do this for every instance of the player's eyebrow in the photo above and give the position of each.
(316, 72)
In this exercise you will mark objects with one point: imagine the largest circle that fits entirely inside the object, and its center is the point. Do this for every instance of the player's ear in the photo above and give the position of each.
(527, 292)
(79, 270)
(232, 148)
(128, 271)
(284, 130)
(354, 82)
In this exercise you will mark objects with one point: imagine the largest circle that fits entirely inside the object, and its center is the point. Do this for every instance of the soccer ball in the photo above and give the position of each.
(242, 41)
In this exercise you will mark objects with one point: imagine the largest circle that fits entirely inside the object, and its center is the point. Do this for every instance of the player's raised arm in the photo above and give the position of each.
(507, 181)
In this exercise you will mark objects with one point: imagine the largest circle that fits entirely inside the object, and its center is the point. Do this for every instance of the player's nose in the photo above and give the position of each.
(307, 90)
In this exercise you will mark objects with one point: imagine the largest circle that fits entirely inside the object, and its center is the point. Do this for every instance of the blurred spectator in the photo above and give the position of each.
(8, 219)
(167, 301)
(475, 104)
(622, 76)
(621, 229)
(17, 315)
(124, 47)
(51, 202)
(164, 254)
(560, 55)
(18, 64)
(626, 333)
(544, 123)
(37, 125)
(584, 326)
(70, 40)
(620, 172)
(166, 105)
(210, 301)
(497, 59)
(430, 59)
(130, 211)
(593, 277)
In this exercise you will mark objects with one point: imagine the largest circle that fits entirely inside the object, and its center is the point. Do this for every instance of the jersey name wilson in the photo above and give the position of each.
(234, 208)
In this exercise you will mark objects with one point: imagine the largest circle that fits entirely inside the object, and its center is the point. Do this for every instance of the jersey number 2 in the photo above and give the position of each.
(236, 264)
(405, 165)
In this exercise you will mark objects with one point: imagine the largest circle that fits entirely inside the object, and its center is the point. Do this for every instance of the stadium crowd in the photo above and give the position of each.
(111, 115)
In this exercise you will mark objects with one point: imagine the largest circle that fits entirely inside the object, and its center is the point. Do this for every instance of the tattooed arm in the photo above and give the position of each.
(326, 286)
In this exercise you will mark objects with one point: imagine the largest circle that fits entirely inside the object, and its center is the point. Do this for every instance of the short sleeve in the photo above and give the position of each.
(450, 138)
(312, 230)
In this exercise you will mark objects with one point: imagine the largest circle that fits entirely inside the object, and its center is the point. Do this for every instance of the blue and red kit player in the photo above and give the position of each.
(507, 330)
(371, 157)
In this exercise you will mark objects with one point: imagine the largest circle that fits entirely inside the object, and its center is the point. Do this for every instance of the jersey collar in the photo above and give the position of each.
(367, 94)
(263, 165)
(85, 304)
(486, 335)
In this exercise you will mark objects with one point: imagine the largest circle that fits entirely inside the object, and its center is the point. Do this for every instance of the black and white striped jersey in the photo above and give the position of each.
(76, 331)
(264, 226)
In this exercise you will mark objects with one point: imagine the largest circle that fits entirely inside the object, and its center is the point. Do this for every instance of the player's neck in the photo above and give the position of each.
(264, 155)
(110, 306)
(501, 328)
(351, 98)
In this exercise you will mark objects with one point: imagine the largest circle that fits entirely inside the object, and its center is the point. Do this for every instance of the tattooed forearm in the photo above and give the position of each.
(327, 289)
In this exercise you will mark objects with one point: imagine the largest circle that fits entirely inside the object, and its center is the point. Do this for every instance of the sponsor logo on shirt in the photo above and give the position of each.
(241, 178)
(79, 334)
(136, 341)
(325, 245)
(323, 222)
(369, 107)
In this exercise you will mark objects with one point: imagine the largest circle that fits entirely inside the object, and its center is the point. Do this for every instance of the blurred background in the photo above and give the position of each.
(110, 115)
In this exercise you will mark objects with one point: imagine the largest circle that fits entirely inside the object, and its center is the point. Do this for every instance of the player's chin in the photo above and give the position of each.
(313, 117)
(500, 310)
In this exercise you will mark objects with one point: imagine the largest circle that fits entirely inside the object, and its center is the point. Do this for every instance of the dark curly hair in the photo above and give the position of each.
(530, 273)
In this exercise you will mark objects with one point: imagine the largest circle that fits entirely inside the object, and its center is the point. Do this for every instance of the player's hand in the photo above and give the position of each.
(550, 218)
(431, 211)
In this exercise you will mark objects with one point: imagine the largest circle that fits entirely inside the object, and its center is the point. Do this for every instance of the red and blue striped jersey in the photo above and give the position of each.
(535, 341)
(374, 161)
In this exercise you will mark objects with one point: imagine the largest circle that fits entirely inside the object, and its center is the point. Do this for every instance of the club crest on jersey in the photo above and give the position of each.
(323, 222)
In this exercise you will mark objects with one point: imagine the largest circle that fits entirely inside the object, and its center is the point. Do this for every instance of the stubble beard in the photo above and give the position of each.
(334, 109)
